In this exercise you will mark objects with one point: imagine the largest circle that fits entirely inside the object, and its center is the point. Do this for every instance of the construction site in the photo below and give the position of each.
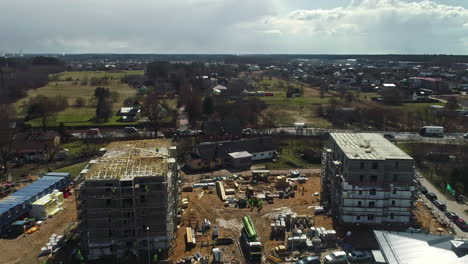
(249, 218)
(127, 201)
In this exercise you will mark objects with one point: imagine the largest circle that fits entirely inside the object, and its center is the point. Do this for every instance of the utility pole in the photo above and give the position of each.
(147, 239)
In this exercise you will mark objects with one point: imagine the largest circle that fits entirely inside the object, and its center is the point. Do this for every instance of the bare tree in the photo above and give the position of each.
(7, 134)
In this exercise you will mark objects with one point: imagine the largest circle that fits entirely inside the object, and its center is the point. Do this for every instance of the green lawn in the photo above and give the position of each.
(99, 74)
(280, 99)
(79, 148)
(83, 116)
(285, 111)
(412, 107)
(74, 169)
(290, 150)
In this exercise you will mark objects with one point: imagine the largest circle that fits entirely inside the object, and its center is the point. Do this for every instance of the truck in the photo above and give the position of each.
(432, 131)
(250, 243)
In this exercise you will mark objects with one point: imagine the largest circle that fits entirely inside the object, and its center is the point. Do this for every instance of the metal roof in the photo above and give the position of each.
(240, 155)
(417, 248)
(31, 191)
(368, 146)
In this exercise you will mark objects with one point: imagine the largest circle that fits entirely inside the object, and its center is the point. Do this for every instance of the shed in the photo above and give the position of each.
(240, 160)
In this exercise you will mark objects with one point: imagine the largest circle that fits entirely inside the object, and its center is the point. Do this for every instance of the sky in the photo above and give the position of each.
(235, 26)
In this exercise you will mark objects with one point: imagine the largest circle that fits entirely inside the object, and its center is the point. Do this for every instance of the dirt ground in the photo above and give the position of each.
(426, 220)
(24, 249)
(229, 220)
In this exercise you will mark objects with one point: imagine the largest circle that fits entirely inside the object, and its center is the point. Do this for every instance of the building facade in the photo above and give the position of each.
(127, 202)
(367, 180)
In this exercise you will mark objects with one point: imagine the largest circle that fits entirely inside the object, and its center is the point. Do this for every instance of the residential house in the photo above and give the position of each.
(130, 114)
(36, 145)
(214, 130)
(421, 95)
(236, 154)
(434, 84)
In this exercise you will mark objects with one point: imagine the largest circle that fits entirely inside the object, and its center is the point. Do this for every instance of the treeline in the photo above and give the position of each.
(18, 75)
(284, 59)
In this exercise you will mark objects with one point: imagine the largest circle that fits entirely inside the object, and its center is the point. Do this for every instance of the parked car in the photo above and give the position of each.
(247, 131)
(465, 135)
(359, 255)
(130, 130)
(423, 189)
(461, 224)
(440, 205)
(389, 136)
(451, 215)
(309, 260)
(431, 196)
(93, 132)
(336, 257)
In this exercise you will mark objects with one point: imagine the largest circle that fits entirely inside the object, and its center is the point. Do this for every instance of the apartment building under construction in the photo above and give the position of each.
(127, 201)
(366, 180)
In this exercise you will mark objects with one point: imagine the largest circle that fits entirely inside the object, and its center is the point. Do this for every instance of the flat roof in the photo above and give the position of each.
(239, 155)
(128, 159)
(368, 146)
(418, 248)
(30, 191)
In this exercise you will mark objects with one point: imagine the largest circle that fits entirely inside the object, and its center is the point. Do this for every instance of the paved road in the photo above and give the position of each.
(115, 134)
(452, 206)
(449, 138)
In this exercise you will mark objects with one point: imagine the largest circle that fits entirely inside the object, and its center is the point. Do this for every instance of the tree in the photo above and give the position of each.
(194, 109)
(103, 109)
(7, 134)
(452, 104)
(323, 88)
(80, 102)
(130, 101)
(104, 105)
(208, 105)
(101, 92)
(42, 107)
(155, 110)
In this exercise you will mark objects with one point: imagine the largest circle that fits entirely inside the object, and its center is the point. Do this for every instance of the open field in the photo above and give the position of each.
(74, 116)
(290, 151)
(283, 111)
(74, 169)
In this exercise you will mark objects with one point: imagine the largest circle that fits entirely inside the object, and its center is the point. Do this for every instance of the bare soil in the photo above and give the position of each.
(229, 220)
(25, 248)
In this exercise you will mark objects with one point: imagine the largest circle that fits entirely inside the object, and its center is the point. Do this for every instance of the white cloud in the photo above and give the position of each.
(233, 26)
(377, 26)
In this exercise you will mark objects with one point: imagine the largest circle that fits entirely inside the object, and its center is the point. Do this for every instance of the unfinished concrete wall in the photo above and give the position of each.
(118, 216)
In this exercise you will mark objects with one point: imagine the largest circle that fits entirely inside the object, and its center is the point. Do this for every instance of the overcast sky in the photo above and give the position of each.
(235, 26)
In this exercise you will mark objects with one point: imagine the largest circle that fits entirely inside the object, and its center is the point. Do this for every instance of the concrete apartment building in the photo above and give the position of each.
(127, 199)
(367, 180)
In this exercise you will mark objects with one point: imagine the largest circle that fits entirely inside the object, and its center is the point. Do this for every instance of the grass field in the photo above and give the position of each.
(290, 150)
(74, 169)
(74, 116)
(285, 111)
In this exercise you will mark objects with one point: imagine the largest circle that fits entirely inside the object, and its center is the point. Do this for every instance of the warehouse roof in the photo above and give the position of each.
(419, 248)
(31, 191)
(367, 146)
